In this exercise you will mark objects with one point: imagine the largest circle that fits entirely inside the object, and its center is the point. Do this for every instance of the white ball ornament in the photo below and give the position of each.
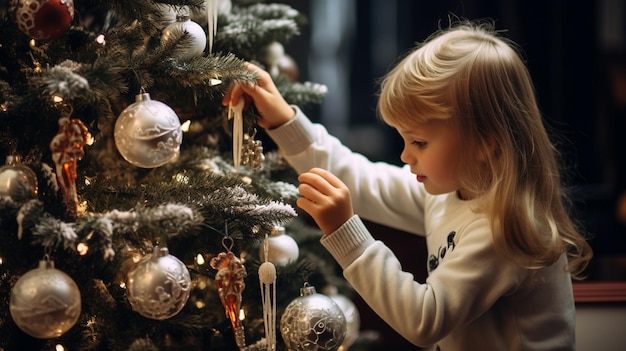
(148, 133)
(45, 302)
(312, 322)
(196, 34)
(282, 248)
(159, 286)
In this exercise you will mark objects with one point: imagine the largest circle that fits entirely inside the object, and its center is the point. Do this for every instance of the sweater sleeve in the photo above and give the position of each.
(465, 285)
(383, 193)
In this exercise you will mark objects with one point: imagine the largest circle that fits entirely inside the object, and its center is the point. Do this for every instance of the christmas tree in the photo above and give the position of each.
(134, 207)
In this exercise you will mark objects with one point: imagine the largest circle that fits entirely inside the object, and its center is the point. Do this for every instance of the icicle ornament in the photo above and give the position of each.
(236, 113)
(212, 8)
(267, 278)
(230, 284)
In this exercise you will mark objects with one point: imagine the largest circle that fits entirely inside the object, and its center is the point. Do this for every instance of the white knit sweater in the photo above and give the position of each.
(473, 299)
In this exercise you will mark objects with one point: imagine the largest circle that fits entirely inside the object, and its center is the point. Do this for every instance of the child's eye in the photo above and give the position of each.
(420, 144)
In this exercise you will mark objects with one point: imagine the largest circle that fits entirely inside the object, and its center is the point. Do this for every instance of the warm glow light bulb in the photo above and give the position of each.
(82, 249)
(200, 259)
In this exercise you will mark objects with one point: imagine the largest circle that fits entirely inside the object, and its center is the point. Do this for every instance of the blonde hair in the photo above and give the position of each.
(470, 76)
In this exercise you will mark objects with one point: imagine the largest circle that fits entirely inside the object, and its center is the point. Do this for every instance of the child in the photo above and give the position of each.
(481, 183)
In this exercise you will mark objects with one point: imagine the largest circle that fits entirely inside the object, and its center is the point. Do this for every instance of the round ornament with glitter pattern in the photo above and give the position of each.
(159, 285)
(148, 133)
(45, 302)
(313, 322)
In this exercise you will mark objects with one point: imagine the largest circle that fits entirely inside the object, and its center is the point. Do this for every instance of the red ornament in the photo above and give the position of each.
(42, 19)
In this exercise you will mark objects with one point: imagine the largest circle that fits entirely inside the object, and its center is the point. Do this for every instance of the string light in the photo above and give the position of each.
(82, 249)
(100, 39)
(200, 259)
(185, 126)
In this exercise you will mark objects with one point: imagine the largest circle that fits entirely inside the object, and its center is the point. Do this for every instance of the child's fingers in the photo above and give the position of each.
(309, 192)
(316, 181)
(329, 178)
(232, 95)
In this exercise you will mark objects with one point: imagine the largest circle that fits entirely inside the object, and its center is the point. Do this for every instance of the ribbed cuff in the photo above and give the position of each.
(348, 242)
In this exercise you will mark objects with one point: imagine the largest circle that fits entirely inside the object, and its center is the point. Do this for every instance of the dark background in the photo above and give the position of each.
(576, 56)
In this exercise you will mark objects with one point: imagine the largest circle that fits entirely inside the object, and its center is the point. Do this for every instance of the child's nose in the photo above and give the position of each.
(406, 157)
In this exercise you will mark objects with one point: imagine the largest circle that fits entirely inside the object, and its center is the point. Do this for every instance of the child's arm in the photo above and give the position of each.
(274, 110)
(325, 197)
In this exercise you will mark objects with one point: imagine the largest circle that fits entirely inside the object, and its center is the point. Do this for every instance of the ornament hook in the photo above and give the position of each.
(227, 243)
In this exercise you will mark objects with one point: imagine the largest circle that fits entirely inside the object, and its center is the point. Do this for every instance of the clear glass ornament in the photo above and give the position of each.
(312, 322)
(159, 286)
(17, 180)
(45, 302)
(148, 133)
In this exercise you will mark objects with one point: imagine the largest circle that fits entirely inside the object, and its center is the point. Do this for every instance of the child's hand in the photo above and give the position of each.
(326, 198)
(271, 105)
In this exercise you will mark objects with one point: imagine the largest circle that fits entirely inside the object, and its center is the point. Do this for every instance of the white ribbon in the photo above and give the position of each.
(236, 113)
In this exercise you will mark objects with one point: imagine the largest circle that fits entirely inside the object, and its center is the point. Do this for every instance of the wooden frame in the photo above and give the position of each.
(600, 291)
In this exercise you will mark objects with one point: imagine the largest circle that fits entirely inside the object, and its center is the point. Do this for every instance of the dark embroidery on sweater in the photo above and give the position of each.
(433, 260)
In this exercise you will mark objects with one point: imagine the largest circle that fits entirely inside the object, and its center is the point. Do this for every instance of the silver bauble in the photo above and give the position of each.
(271, 54)
(45, 302)
(282, 248)
(288, 67)
(148, 133)
(159, 286)
(197, 36)
(350, 311)
(312, 322)
(17, 181)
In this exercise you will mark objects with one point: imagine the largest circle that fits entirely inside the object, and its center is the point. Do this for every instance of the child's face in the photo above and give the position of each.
(431, 149)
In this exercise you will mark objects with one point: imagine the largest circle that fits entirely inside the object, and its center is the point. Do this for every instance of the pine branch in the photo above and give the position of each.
(248, 28)
(189, 205)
